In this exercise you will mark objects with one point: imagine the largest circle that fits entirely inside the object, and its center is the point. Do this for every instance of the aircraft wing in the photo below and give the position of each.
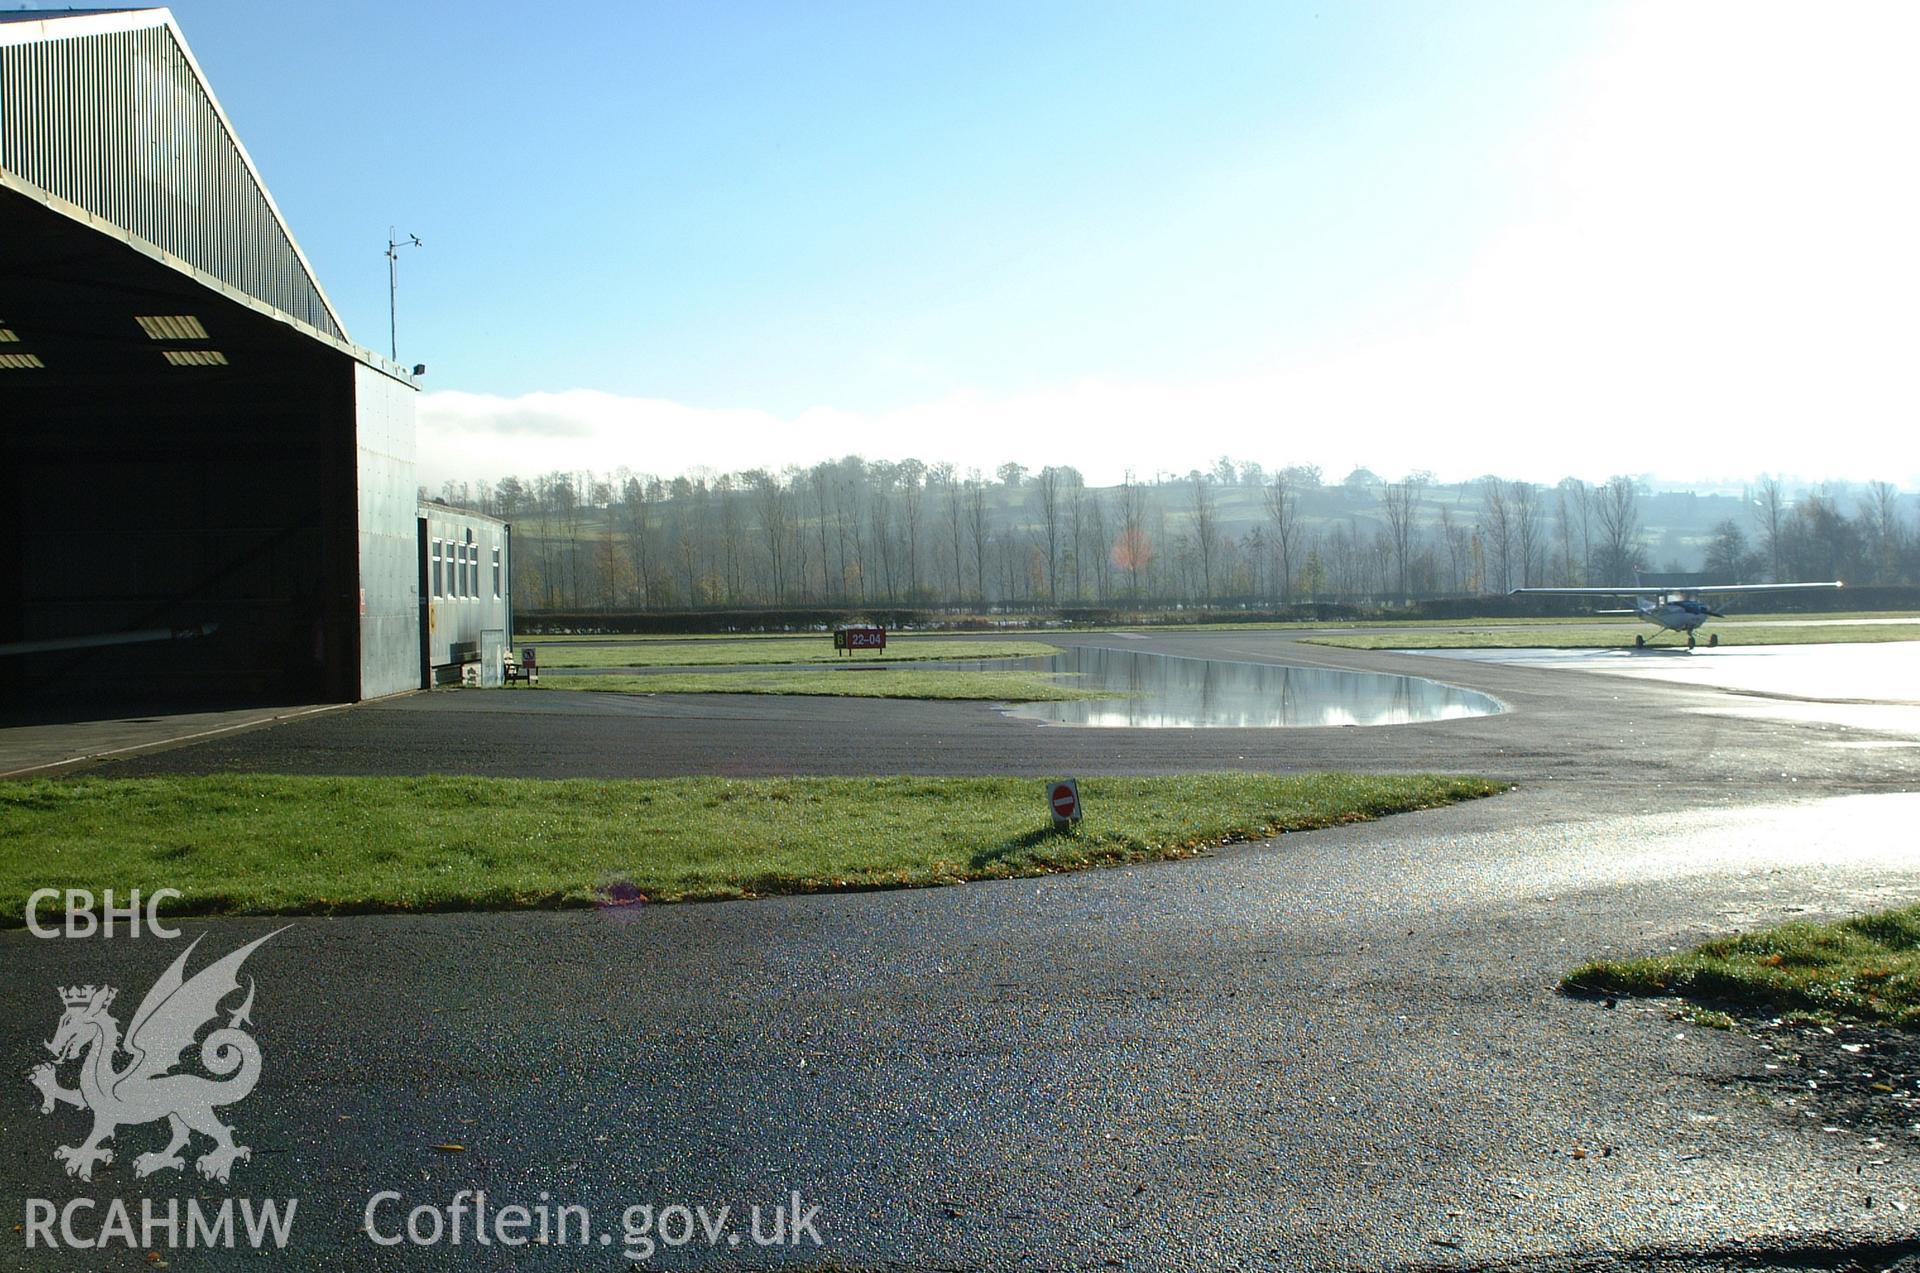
(1668, 592)
(1767, 587)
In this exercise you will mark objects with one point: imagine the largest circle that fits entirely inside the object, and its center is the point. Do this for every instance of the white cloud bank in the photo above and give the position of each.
(1715, 272)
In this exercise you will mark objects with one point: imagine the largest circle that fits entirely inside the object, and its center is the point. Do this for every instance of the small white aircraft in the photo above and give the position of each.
(1673, 609)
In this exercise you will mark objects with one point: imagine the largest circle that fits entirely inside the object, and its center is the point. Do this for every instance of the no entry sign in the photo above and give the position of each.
(1064, 798)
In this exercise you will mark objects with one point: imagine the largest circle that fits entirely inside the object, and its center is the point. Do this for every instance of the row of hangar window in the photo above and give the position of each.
(455, 569)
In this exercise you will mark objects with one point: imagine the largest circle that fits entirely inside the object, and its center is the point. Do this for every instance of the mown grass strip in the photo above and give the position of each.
(1503, 621)
(1005, 687)
(554, 642)
(1585, 636)
(782, 650)
(601, 638)
(276, 844)
(1863, 969)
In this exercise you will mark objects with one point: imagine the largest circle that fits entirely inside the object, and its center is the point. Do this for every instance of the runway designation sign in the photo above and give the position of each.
(1064, 797)
(860, 637)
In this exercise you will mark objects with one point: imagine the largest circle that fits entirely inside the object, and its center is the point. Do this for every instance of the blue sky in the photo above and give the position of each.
(865, 204)
(1409, 235)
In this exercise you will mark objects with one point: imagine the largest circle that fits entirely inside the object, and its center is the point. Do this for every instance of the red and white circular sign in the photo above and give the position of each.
(1066, 801)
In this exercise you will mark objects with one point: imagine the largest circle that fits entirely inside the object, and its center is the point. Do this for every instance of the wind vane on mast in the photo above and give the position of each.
(393, 287)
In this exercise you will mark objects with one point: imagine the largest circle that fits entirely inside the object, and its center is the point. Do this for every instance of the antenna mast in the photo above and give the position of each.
(393, 288)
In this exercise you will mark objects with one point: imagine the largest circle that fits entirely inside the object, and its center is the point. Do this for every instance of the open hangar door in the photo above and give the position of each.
(178, 484)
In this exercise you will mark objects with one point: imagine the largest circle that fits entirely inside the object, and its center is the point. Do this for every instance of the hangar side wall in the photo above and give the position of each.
(389, 536)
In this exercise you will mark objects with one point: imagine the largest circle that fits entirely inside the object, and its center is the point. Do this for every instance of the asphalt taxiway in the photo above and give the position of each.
(1341, 1049)
(1609, 744)
(1882, 673)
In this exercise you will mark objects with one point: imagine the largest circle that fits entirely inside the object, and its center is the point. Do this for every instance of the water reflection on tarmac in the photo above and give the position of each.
(1164, 691)
(1886, 672)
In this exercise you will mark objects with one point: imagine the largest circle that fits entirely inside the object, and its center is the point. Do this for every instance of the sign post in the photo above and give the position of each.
(860, 637)
(1063, 798)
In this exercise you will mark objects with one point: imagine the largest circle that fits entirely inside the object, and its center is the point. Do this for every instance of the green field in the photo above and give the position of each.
(904, 682)
(782, 650)
(270, 844)
(624, 638)
(1585, 634)
(825, 641)
(1793, 616)
(1865, 969)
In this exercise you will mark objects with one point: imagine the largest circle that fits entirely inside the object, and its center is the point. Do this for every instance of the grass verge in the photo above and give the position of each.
(1009, 687)
(277, 844)
(1504, 621)
(781, 650)
(1587, 635)
(1863, 969)
(558, 640)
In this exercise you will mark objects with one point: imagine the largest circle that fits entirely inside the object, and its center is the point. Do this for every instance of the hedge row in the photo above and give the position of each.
(820, 619)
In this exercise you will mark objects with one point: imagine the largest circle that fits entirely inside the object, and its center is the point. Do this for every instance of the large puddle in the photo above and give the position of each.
(1168, 692)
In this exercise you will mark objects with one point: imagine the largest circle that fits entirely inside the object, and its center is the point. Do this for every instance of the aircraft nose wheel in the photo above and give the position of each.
(1713, 638)
(1639, 641)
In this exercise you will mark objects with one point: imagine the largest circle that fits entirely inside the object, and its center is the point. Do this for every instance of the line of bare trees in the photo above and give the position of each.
(869, 532)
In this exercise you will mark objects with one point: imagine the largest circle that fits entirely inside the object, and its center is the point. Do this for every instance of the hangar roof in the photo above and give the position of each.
(107, 119)
(454, 510)
(41, 15)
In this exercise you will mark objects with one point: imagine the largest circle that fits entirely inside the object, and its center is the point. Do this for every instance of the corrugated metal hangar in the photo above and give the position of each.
(207, 492)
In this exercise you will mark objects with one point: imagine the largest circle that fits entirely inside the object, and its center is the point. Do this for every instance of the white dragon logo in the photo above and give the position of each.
(145, 1089)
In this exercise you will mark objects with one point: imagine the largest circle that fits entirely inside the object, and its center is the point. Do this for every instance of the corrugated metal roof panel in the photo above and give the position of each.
(108, 111)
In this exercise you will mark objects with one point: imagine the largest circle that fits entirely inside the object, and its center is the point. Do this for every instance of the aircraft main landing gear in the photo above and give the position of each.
(1689, 640)
(1713, 638)
(1639, 641)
